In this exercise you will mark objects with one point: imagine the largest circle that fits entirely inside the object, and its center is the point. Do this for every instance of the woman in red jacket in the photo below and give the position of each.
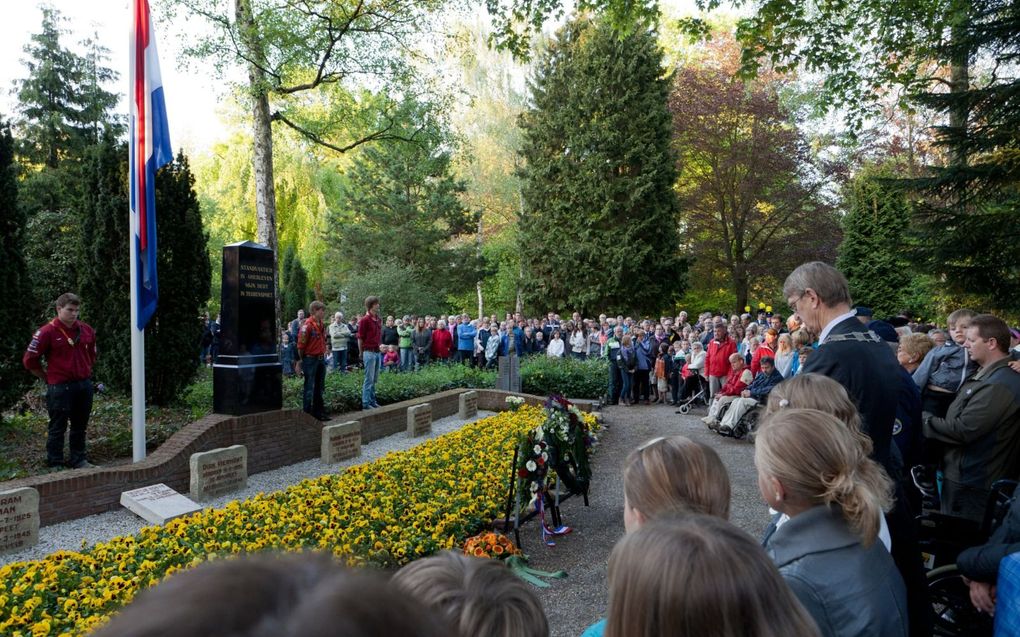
(442, 342)
(768, 348)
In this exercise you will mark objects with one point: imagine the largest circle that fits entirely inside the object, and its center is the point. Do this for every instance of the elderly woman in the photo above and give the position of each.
(912, 350)
(693, 372)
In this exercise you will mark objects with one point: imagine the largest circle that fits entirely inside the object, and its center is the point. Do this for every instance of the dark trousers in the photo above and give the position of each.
(675, 383)
(465, 356)
(615, 383)
(641, 389)
(68, 402)
(314, 369)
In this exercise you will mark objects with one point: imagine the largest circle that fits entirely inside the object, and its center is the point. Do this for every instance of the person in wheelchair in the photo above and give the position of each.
(756, 394)
(980, 564)
(737, 381)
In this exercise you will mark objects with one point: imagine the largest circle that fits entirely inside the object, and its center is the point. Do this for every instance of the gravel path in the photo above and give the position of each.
(73, 534)
(572, 604)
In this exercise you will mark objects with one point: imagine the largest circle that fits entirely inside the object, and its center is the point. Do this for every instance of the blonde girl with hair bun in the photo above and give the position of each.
(698, 576)
(813, 468)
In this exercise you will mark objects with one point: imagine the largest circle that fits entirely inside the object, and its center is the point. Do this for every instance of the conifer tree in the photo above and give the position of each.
(294, 280)
(599, 231)
(872, 254)
(182, 263)
(15, 310)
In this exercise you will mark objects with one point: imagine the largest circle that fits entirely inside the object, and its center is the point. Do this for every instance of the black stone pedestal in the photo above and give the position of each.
(247, 376)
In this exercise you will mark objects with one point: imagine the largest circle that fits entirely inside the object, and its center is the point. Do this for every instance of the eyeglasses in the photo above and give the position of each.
(793, 305)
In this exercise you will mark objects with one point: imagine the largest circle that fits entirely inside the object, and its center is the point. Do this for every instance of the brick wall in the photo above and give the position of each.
(274, 439)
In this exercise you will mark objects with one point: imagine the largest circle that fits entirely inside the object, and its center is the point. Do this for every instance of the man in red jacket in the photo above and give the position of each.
(311, 347)
(717, 362)
(69, 348)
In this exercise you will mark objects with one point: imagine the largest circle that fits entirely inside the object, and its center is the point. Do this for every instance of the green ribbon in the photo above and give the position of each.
(518, 565)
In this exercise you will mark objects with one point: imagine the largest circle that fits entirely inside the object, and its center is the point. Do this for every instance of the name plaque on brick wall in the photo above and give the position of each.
(341, 441)
(220, 471)
(468, 405)
(19, 519)
(419, 420)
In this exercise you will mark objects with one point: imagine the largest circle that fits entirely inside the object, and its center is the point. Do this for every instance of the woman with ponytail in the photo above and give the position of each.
(814, 469)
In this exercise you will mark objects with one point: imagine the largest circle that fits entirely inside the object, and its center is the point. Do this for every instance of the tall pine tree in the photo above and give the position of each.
(599, 230)
(875, 229)
(294, 281)
(971, 207)
(15, 308)
(182, 263)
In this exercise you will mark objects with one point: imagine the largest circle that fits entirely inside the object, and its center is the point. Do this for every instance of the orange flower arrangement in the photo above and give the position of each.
(490, 544)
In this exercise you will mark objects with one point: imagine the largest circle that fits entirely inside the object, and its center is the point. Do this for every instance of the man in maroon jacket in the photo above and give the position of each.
(69, 349)
(717, 362)
(369, 339)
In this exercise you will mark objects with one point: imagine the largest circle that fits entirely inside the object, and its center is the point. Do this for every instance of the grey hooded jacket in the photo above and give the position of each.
(849, 590)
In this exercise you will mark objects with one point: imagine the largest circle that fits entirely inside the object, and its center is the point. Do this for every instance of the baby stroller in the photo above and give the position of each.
(696, 398)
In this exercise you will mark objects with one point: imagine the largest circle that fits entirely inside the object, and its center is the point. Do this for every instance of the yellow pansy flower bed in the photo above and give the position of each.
(403, 506)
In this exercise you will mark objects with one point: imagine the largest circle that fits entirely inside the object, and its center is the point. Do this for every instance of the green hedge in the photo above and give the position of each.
(540, 375)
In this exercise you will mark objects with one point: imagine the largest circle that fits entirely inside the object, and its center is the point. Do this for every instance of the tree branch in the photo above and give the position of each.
(384, 134)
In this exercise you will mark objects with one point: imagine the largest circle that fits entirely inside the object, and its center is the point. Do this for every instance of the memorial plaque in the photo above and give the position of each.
(468, 404)
(158, 504)
(341, 441)
(419, 420)
(247, 375)
(19, 519)
(509, 375)
(219, 471)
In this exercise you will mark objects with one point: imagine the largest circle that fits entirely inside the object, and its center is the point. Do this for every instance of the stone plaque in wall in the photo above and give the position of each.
(509, 375)
(468, 404)
(158, 504)
(341, 441)
(220, 471)
(419, 420)
(19, 519)
(247, 375)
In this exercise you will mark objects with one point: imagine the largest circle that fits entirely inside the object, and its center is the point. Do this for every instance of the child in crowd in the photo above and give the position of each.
(627, 363)
(555, 348)
(803, 353)
(943, 370)
(475, 596)
(255, 595)
(663, 369)
(675, 576)
(391, 359)
(813, 468)
(287, 354)
(667, 476)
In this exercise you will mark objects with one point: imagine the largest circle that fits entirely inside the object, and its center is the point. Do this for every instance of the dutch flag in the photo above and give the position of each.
(150, 149)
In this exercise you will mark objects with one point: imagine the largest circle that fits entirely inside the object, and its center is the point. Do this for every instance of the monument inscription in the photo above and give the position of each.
(419, 420)
(468, 407)
(219, 471)
(341, 441)
(19, 519)
(158, 503)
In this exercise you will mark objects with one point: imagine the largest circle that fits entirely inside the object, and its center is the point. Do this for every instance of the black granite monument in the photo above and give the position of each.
(247, 376)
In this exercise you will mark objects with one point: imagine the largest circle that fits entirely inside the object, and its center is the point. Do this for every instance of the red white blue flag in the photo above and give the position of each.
(150, 149)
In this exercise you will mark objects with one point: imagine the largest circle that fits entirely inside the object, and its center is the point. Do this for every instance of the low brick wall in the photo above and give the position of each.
(274, 439)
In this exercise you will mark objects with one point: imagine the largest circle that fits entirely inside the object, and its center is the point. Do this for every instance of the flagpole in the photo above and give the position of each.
(137, 335)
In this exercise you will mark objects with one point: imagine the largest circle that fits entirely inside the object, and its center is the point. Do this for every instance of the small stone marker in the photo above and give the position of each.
(341, 441)
(219, 471)
(158, 504)
(19, 519)
(468, 405)
(419, 420)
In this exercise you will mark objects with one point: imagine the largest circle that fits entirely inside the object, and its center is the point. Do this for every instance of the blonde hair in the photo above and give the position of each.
(917, 345)
(819, 460)
(784, 344)
(800, 338)
(814, 391)
(674, 575)
(476, 596)
(676, 474)
(962, 313)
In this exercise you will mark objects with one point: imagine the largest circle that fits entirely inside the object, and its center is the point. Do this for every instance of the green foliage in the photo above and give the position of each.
(172, 336)
(62, 102)
(872, 254)
(294, 281)
(16, 307)
(51, 253)
(400, 289)
(599, 230)
(542, 375)
(104, 281)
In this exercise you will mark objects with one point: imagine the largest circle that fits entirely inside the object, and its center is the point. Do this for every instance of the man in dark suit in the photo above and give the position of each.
(848, 352)
(865, 365)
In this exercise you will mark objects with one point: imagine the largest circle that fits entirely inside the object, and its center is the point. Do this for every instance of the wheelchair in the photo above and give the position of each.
(746, 425)
(942, 538)
(700, 396)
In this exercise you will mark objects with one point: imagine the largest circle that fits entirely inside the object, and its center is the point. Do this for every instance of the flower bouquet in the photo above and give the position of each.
(490, 544)
(514, 402)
